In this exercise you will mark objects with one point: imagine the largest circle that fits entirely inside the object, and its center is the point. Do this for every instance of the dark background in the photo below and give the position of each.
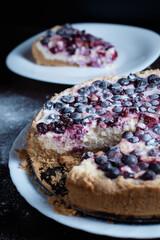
(21, 98)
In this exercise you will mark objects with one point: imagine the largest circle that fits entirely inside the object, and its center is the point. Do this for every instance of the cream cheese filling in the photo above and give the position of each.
(78, 57)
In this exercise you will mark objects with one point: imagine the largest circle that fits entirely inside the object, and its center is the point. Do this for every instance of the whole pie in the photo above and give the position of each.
(67, 46)
(99, 143)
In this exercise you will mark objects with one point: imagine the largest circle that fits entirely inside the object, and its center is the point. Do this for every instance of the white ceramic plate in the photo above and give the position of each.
(137, 49)
(28, 190)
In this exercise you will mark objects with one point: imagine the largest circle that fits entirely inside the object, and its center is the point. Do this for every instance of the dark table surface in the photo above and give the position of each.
(20, 99)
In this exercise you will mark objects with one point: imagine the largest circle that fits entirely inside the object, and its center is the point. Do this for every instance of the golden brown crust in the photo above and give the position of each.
(129, 198)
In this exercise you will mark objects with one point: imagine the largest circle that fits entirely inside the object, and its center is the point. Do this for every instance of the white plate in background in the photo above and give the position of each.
(137, 49)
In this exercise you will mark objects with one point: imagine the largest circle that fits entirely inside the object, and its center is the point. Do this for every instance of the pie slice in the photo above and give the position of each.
(99, 143)
(67, 46)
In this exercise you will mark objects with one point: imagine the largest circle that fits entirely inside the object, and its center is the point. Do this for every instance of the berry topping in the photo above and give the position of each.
(93, 51)
(127, 135)
(102, 106)
(117, 109)
(67, 99)
(130, 160)
(148, 175)
(42, 128)
(49, 105)
(155, 167)
(113, 173)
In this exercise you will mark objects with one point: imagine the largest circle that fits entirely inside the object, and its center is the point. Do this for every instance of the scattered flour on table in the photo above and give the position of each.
(16, 111)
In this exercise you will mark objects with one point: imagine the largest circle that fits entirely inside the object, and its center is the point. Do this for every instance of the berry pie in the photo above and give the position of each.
(99, 143)
(67, 46)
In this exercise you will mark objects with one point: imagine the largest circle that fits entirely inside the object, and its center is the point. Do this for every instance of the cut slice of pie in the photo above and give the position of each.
(67, 46)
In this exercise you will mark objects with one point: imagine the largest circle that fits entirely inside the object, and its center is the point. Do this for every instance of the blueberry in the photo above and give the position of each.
(59, 127)
(142, 83)
(155, 103)
(139, 89)
(92, 89)
(90, 110)
(136, 99)
(100, 160)
(84, 91)
(127, 104)
(148, 175)
(157, 125)
(68, 109)
(75, 115)
(155, 167)
(137, 104)
(106, 95)
(81, 99)
(134, 109)
(151, 110)
(113, 173)
(87, 155)
(156, 130)
(110, 121)
(146, 137)
(117, 109)
(50, 33)
(65, 115)
(143, 165)
(117, 97)
(53, 116)
(147, 104)
(128, 175)
(42, 128)
(138, 132)
(123, 81)
(88, 119)
(71, 49)
(45, 40)
(78, 121)
(136, 152)
(130, 160)
(152, 142)
(132, 77)
(49, 105)
(101, 112)
(152, 153)
(59, 106)
(127, 135)
(115, 158)
(67, 120)
(129, 90)
(97, 83)
(81, 109)
(133, 139)
(103, 85)
(78, 104)
(143, 109)
(153, 78)
(116, 116)
(154, 96)
(68, 99)
(105, 104)
(106, 166)
(117, 91)
(112, 149)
